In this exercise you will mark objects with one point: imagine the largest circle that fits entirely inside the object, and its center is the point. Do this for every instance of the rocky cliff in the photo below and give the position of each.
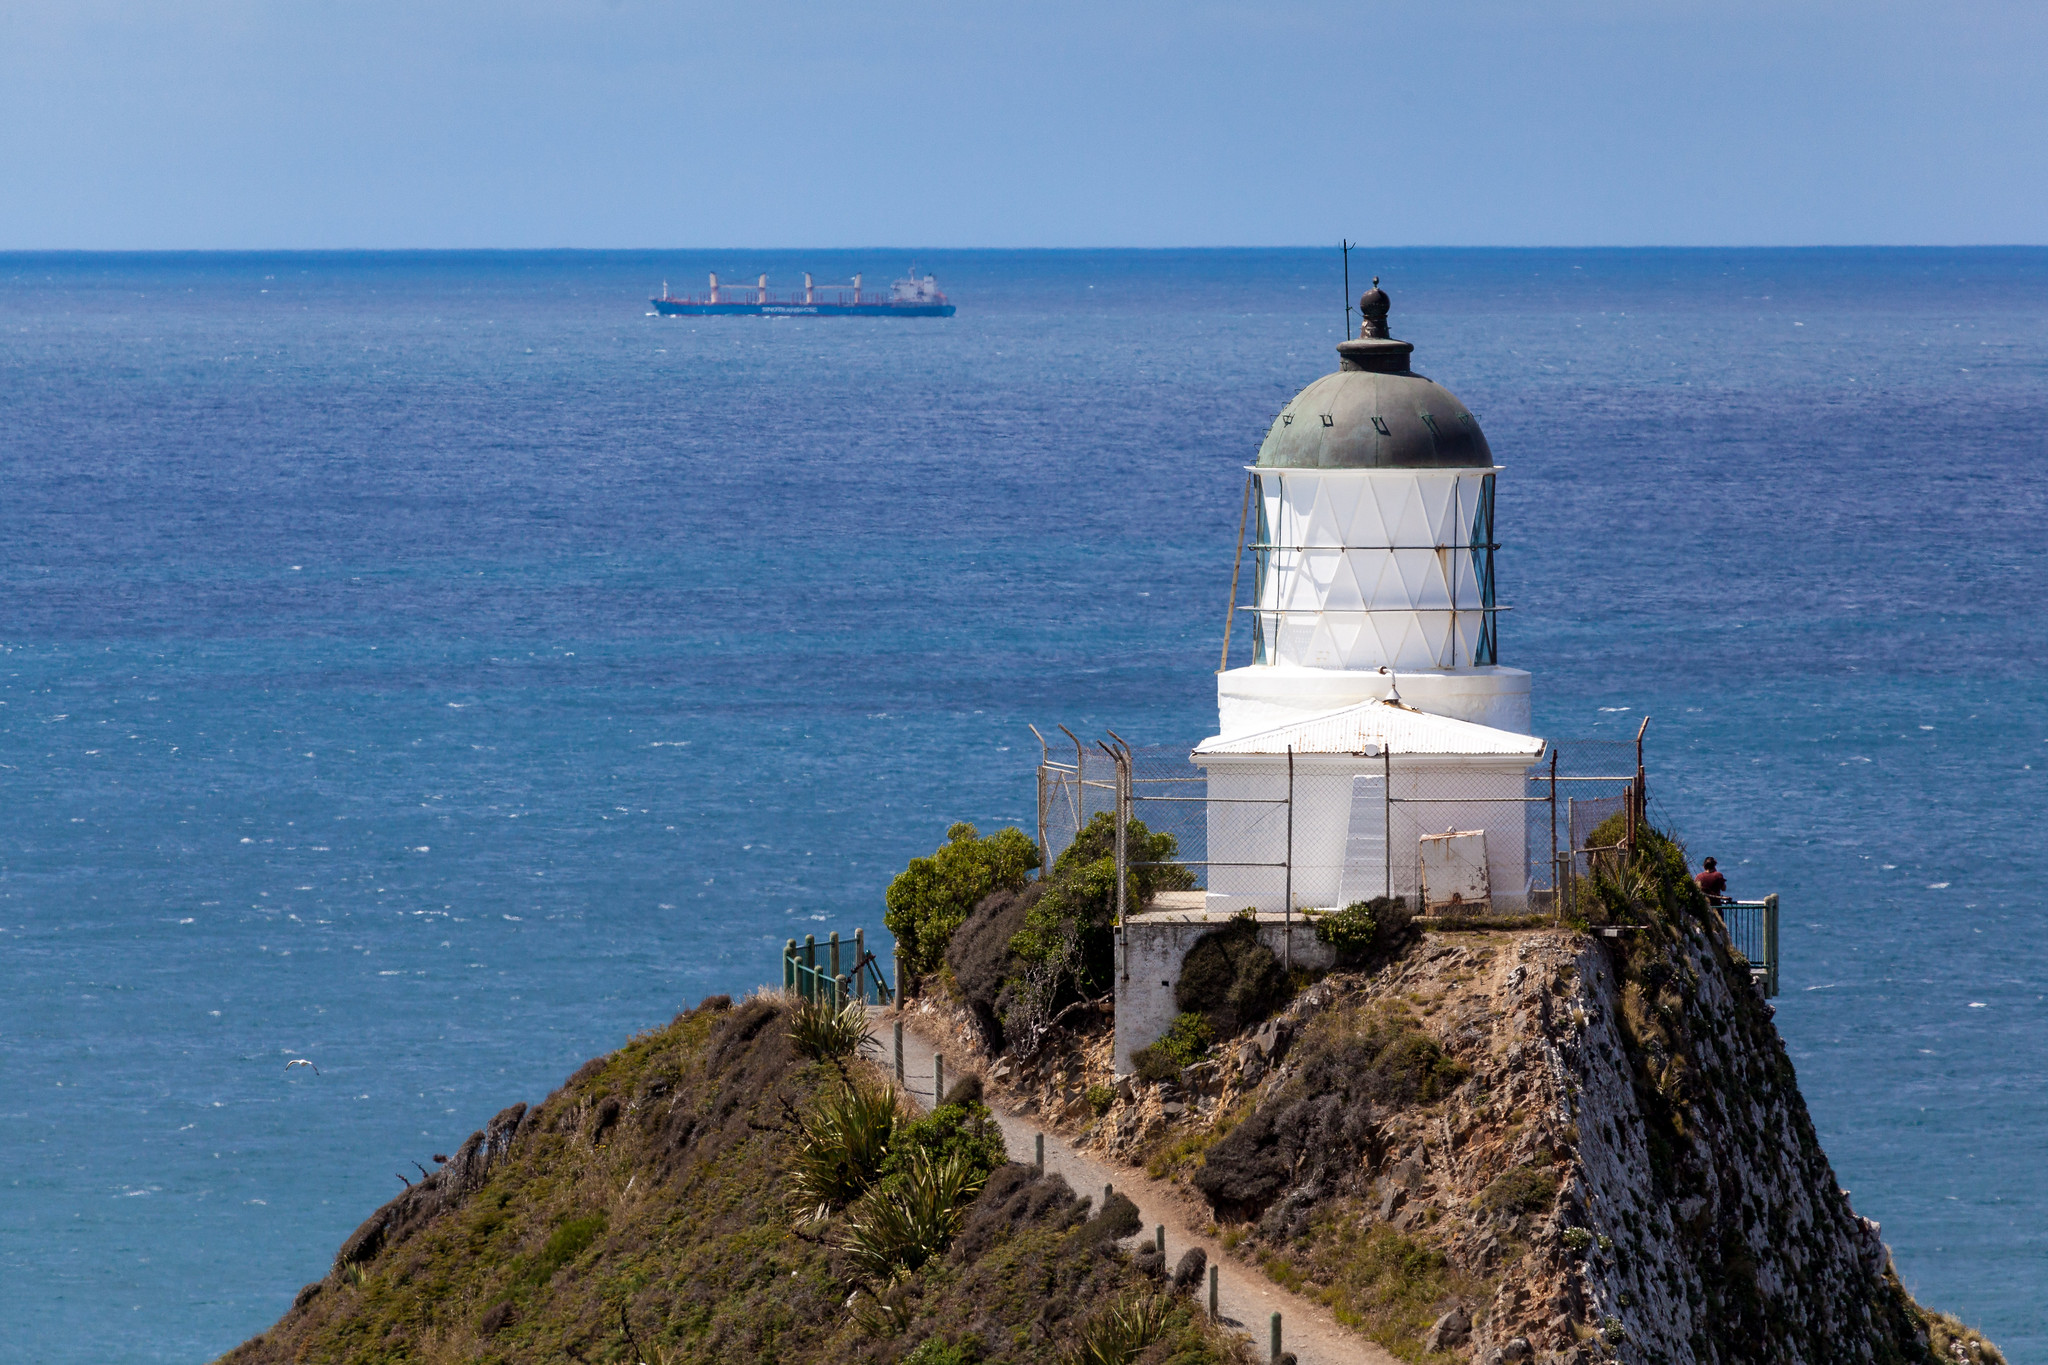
(1561, 1144)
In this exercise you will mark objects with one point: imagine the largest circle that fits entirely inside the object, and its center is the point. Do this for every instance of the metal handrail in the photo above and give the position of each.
(805, 977)
(1753, 934)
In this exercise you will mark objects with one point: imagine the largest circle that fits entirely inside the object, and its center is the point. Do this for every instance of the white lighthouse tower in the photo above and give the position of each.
(1374, 745)
(1375, 703)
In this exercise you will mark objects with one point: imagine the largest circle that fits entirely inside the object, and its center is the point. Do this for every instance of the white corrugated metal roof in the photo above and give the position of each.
(1370, 726)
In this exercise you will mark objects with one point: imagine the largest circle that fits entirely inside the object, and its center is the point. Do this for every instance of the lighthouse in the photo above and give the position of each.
(1375, 705)
(1374, 745)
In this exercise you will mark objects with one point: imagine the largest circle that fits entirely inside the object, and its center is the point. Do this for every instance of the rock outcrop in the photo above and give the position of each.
(1538, 1144)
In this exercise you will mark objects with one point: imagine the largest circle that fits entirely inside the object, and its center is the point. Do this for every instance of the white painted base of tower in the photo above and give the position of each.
(1265, 695)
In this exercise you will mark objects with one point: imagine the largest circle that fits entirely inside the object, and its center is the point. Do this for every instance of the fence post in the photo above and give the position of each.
(1215, 1273)
(1556, 891)
(1276, 1339)
(899, 1051)
(1386, 814)
(810, 979)
(860, 959)
(1038, 1157)
(839, 998)
(1641, 796)
(833, 946)
(1123, 820)
(1042, 859)
(1771, 937)
(896, 969)
(1159, 1238)
(1289, 879)
(938, 1079)
(789, 965)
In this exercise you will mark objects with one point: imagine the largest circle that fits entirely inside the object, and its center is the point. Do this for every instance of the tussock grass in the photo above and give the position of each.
(1381, 1281)
(1117, 1334)
(825, 1034)
(1951, 1339)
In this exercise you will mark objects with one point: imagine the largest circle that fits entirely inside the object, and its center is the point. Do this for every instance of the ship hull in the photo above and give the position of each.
(671, 308)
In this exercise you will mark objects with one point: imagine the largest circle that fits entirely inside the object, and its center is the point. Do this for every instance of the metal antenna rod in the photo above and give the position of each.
(1346, 248)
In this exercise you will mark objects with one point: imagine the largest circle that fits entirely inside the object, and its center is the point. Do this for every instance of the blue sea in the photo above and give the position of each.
(435, 667)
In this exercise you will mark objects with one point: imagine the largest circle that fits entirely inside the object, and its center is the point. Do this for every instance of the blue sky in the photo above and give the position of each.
(623, 123)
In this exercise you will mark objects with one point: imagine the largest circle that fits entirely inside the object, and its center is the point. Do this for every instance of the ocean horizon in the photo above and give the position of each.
(435, 666)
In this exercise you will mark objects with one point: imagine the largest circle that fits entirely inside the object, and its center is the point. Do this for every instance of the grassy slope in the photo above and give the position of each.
(645, 1197)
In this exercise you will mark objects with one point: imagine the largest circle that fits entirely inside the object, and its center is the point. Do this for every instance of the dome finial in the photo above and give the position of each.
(1372, 308)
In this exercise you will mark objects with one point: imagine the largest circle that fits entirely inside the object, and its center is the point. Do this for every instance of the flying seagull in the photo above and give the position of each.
(300, 1061)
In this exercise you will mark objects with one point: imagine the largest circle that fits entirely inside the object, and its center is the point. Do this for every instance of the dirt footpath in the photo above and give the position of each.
(1247, 1298)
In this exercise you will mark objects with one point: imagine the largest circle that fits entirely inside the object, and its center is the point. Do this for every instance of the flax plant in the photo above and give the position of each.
(840, 1149)
(900, 1225)
(1118, 1334)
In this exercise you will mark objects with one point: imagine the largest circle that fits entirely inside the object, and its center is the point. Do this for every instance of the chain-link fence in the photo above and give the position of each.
(1582, 784)
(1293, 831)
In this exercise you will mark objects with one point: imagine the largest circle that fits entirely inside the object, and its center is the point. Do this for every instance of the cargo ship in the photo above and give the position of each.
(909, 297)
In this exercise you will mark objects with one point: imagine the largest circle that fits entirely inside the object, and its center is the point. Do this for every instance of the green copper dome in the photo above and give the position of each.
(1374, 412)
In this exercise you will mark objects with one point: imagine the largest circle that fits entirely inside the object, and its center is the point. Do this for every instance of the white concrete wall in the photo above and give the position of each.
(1243, 832)
(1153, 949)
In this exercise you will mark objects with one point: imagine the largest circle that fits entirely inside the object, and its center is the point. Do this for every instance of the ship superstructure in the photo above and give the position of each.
(910, 297)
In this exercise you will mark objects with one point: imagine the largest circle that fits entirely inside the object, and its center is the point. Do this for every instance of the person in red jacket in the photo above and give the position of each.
(1712, 882)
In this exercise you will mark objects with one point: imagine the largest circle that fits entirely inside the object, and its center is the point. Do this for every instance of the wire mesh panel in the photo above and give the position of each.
(1280, 831)
(1593, 778)
(1073, 788)
(1431, 801)
(1170, 795)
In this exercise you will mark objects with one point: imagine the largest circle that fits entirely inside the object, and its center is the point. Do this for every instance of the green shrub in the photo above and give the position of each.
(904, 1222)
(1066, 949)
(1231, 978)
(823, 1033)
(569, 1241)
(1577, 1239)
(938, 1351)
(1367, 930)
(1100, 1098)
(1188, 1039)
(966, 1131)
(841, 1149)
(1350, 930)
(1184, 1044)
(929, 898)
(1521, 1190)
